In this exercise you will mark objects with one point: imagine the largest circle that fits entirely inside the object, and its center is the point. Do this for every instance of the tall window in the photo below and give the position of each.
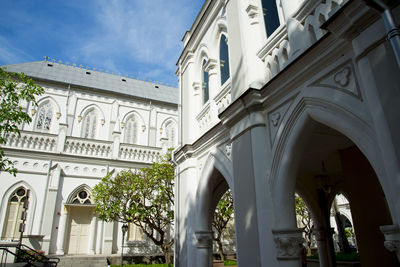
(44, 117)
(224, 59)
(13, 216)
(131, 130)
(205, 87)
(135, 233)
(171, 134)
(90, 124)
(271, 17)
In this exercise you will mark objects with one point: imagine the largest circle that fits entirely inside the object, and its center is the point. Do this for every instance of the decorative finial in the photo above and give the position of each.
(46, 58)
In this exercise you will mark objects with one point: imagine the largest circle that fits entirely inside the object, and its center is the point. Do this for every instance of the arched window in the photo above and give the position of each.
(13, 216)
(131, 130)
(82, 197)
(90, 124)
(171, 134)
(135, 233)
(205, 87)
(44, 117)
(224, 59)
(271, 17)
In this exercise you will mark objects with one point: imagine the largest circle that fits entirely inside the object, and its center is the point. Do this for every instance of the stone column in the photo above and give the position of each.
(61, 232)
(321, 235)
(92, 235)
(204, 248)
(214, 86)
(392, 238)
(99, 239)
(288, 246)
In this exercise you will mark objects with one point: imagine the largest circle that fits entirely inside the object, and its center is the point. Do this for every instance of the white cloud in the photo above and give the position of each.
(10, 54)
(147, 32)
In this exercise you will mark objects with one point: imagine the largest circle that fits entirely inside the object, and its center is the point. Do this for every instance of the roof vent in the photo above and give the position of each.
(124, 80)
(49, 65)
(156, 86)
(88, 73)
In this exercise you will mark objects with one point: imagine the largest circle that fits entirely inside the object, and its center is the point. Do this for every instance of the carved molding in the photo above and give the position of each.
(341, 78)
(289, 243)
(392, 238)
(276, 116)
(204, 239)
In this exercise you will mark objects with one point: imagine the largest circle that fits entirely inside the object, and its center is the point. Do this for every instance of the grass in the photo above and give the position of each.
(226, 263)
(353, 256)
(230, 263)
(143, 265)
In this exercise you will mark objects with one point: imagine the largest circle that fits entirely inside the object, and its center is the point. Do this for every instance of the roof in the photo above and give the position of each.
(96, 80)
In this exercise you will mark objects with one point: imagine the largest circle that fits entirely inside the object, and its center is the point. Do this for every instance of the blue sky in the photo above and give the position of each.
(133, 37)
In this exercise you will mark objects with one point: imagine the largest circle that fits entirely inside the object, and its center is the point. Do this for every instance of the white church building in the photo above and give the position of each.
(284, 97)
(86, 124)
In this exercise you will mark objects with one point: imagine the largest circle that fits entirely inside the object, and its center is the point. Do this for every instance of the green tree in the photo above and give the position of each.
(304, 220)
(143, 197)
(222, 215)
(14, 88)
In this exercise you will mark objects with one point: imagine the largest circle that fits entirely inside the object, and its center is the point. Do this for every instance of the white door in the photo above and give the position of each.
(79, 229)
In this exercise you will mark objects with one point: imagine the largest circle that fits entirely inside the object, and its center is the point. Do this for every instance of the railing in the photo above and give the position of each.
(138, 153)
(25, 254)
(32, 141)
(204, 118)
(76, 146)
(223, 98)
(277, 52)
(84, 147)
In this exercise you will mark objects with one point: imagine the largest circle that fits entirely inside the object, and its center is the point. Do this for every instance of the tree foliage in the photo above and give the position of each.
(14, 88)
(222, 215)
(143, 197)
(304, 219)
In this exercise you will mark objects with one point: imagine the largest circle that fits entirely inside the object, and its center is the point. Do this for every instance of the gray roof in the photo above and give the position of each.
(52, 71)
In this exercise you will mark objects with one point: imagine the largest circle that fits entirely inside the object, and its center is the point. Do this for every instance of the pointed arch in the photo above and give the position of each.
(169, 130)
(289, 149)
(78, 196)
(215, 178)
(46, 114)
(32, 205)
(132, 123)
(92, 116)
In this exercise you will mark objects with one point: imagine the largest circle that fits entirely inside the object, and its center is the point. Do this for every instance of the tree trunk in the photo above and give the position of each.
(220, 249)
(167, 257)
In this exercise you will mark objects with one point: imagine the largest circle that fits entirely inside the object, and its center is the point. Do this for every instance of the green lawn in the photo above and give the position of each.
(227, 263)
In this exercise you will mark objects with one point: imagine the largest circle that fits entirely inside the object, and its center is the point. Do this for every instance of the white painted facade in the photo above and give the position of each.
(310, 108)
(88, 135)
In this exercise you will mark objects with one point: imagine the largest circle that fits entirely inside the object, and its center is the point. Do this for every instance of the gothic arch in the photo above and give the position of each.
(87, 108)
(289, 149)
(50, 98)
(76, 191)
(130, 113)
(32, 204)
(217, 170)
(56, 110)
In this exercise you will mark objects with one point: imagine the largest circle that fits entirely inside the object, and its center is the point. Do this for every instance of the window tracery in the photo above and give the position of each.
(44, 117)
(90, 124)
(131, 130)
(13, 216)
(171, 134)
(82, 197)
